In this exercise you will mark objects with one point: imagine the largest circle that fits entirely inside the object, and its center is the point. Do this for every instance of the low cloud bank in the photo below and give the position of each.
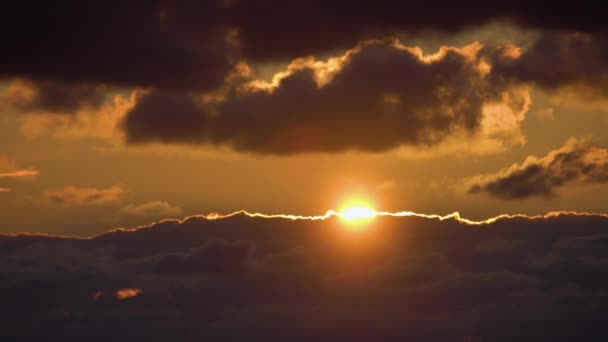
(242, 277)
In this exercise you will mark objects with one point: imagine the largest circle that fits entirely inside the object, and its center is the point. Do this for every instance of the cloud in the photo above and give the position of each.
(190, 44)
(171, 46)
(10, 171)
(127, 293)
(183, 57)
(57, 97)
(577, 59)
(19, 174)
(74, 197)
(377, 96)
(417, 277)
(576, 162)
(300, 24)
(152, 208)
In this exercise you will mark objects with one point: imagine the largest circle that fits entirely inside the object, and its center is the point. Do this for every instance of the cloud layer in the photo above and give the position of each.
(516, 278)
(377, 96)
(576, 162)
(190, 58)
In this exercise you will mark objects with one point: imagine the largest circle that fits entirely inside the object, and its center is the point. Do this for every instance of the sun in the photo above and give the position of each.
(357, 210)
(357, 213)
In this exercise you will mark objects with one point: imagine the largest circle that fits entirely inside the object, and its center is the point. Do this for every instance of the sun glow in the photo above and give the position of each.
(357, 211)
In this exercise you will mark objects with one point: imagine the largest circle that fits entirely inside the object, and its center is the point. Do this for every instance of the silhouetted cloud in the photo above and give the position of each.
(377, 96)
(241, 277)
(556, 60)
(185, 54)
(576, 161)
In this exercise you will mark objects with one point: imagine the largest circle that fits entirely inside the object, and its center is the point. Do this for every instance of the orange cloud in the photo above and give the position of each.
(73, 197)
(9, 170)
(152, 208)
(122, 294)
(19, 173)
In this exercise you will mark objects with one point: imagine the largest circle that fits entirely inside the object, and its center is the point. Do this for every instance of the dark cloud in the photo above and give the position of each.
(378, 96)
(192, 45)
(576, 161)
(517, 278)
(51, 96)
(137, 43)
(557, 60)
(287, 30)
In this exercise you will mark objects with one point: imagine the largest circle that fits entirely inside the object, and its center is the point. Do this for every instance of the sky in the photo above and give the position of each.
(130, 131)
(125, 114)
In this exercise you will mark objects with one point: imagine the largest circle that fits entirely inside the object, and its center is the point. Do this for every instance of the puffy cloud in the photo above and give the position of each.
(185, 54)
(424, 278)
(73, 197)
(152, 208)
(577, 59)
(101, 122)
(576, 162)
(377, 96)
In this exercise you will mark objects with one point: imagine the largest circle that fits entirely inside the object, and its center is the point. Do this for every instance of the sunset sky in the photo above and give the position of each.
(123, 114)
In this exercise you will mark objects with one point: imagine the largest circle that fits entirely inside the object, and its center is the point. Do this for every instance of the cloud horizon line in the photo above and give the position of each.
(330, 214)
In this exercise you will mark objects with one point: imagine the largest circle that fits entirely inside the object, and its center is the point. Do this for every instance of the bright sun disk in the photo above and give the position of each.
(357, 213)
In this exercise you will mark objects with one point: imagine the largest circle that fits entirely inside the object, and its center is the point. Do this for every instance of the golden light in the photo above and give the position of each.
(357, 211)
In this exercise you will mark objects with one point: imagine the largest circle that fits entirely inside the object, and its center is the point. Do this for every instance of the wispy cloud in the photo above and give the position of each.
(19, 174)
(151, 209)
(73, 197)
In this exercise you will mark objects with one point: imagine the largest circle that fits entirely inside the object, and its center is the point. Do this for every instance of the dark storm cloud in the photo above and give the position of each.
(517, 278)
(378, 96)
(577, 161)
